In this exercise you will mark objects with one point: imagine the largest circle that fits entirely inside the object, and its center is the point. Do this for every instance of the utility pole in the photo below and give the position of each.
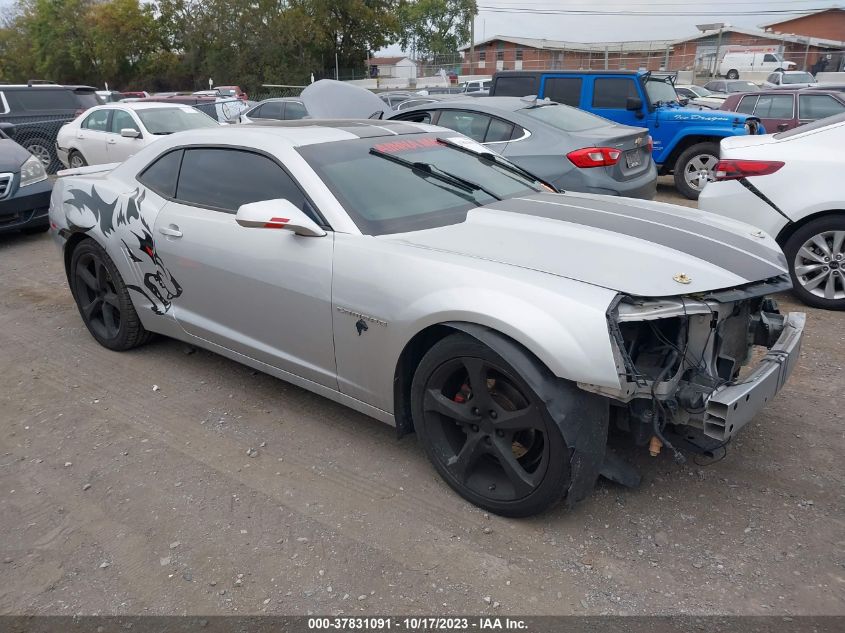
(471, 41)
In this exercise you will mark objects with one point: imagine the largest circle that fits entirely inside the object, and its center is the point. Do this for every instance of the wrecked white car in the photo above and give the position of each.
(406, 272)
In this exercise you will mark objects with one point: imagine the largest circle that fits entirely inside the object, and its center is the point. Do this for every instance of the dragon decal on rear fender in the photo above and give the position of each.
(127, 222)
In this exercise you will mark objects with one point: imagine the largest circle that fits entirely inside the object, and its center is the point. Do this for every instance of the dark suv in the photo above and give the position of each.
(38, 111)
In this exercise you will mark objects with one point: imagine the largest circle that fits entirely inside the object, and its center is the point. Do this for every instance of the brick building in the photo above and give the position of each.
(828, 24)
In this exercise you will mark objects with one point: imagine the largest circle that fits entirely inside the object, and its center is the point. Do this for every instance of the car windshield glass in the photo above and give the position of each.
(660, 91)
(565, 118)
(798, 78)
(170, 120)
(701, 92)
(391, 197)
(742, 86)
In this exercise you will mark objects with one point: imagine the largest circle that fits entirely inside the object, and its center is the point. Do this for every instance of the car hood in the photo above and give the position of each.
(639, 248)
(12, 156)
(330, 99)
(692, 116)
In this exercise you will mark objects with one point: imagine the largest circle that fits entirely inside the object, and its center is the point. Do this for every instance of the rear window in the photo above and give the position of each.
(86, 98)
(565, 118)
(41, 99)
(515, 86)
(742, 86)
(798, 78)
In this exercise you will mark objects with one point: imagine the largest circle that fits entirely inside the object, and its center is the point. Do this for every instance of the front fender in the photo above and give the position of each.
(665, 145)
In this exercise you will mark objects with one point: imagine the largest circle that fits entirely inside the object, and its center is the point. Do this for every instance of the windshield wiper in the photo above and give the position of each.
(494, 158)
(435, 172)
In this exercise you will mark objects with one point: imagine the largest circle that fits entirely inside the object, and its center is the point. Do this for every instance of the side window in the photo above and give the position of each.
(417, 117)
(498, 131)
(746, 104)
(814, 107)
(773, 78)
(515, 86)
(255, 113)
(565, 90)
(120, 120)
(97, 121)
(774, 107)
(161, 175)
(471, 124)
(295, 110)
(769, 58)
(610, 92)
(272, 110)
(224, 179)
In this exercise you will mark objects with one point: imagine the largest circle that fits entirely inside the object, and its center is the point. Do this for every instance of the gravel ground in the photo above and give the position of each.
(128, 486)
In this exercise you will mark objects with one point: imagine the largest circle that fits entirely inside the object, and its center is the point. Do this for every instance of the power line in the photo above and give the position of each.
(626, 13)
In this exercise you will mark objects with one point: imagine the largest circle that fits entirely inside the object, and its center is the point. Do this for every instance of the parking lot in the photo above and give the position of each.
(129, 486)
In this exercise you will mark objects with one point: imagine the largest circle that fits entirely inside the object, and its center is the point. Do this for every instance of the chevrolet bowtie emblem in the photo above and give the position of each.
(682, 278)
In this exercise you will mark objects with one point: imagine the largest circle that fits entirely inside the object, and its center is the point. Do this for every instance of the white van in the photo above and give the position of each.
(733, 64)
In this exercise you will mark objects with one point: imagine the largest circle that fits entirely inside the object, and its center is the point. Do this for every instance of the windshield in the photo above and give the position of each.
(798, 78)
(170, 120)
(742, 86)
(701, 91)
(383, 196)
(565, 118)
(660, 91)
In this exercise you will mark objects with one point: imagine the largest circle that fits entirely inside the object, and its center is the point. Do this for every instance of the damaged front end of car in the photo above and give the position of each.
(688, 367)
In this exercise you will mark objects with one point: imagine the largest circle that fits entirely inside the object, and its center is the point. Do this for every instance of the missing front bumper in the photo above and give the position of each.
(731, 407)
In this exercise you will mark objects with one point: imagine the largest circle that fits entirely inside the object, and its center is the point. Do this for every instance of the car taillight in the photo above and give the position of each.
(650, 144)
(736, 169)
(594, 156)
(78, 112)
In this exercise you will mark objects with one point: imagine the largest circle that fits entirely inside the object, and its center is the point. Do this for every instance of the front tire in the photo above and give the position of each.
(695, 168)
(816, 257)
(41, 149)
(76, 160)
(103, 299)
(485, 430)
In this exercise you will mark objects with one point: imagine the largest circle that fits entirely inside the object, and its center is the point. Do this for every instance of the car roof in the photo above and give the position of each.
(303, 132)
(486, 104)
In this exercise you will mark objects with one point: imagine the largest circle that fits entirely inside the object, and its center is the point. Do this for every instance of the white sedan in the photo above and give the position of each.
(788, 184)
(112, 133)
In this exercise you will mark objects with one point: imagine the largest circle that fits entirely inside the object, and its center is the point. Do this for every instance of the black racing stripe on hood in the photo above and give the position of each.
(672, 219)
(737, 260)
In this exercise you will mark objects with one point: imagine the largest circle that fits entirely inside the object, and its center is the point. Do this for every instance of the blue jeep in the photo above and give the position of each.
(686, 140)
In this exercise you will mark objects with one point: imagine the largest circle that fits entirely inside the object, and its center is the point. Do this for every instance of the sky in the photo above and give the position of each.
(532, 18)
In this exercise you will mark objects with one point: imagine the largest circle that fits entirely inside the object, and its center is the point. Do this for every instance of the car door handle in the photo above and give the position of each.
(170, 231)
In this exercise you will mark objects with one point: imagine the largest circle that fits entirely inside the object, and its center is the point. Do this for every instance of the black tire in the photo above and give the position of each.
(732, 74)
(42, 149)
(78, 158)
(813, 277)
(35, 230)
(505, 469)
(707, 154)
(103, 299)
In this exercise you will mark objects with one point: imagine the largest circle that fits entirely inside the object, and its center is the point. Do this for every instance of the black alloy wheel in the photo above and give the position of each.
(103, 299)
(485, 431)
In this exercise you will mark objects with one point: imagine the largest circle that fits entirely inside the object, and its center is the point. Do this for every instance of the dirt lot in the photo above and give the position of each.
(125, 488)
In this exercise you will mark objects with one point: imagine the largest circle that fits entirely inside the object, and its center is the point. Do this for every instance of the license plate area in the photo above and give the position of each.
(633, 158)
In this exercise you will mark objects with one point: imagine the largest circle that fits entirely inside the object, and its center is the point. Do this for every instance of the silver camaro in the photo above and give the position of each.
(407, 272)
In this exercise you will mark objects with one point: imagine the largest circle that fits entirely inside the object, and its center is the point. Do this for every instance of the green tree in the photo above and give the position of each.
(435, 27)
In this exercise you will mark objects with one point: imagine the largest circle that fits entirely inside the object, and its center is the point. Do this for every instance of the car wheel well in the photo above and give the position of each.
(72, 242)
(790, 229)
(683, 144)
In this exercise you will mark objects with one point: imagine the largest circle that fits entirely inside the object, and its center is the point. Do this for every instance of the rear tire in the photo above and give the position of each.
(497, 446)
(732, 74)
(694, 168)
(103, 299)
(816, 282)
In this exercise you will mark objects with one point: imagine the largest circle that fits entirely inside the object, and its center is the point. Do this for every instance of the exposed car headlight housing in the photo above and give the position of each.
(32, 171)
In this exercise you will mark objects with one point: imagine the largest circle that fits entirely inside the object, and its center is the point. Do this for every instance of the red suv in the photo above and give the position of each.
(781, 110)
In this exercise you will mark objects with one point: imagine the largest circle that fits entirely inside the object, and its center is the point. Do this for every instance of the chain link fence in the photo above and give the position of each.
(37, 134)
(272, 91)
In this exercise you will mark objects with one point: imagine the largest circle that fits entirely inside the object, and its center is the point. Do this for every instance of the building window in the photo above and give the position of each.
(519, 54)
(500, 55)
(482, 56)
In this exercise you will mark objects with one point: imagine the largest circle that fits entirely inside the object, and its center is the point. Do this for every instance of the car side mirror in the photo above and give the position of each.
(129, 132)
(277, 214)
(634, 103)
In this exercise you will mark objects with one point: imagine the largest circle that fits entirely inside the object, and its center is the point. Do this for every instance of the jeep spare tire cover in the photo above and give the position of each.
(330, 99)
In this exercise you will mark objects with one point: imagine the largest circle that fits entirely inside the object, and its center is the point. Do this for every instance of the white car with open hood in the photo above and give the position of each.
(407, 272)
